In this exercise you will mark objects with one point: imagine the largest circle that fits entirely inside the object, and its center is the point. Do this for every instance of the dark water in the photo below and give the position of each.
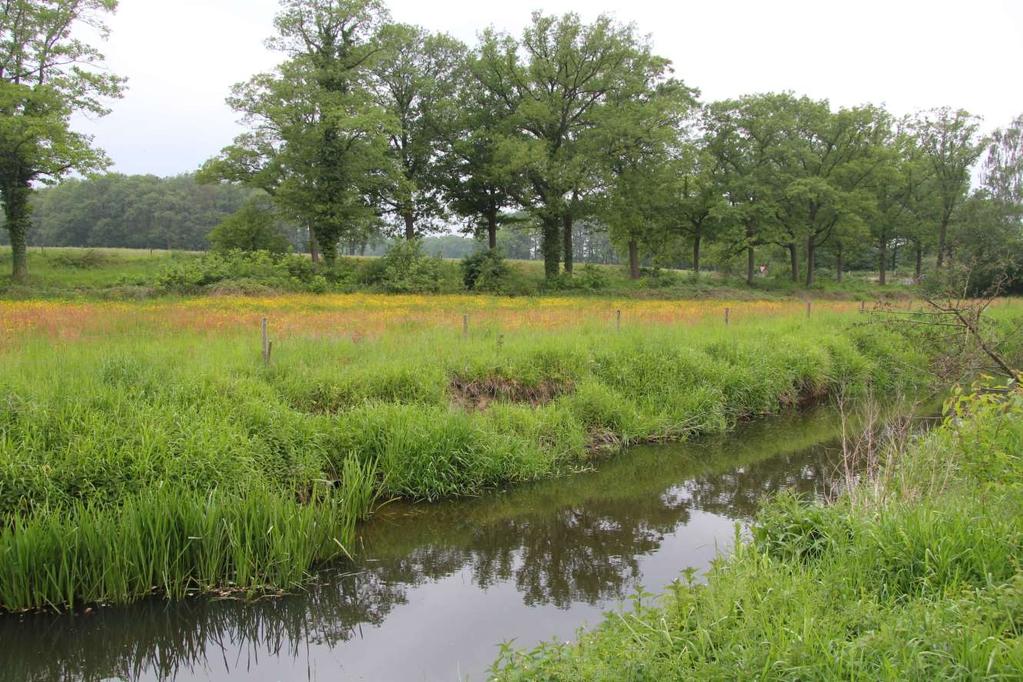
(436, 588)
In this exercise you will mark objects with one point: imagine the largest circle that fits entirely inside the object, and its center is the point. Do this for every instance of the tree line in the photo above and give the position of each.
(370, 123)
(373, 127)
(133, 211)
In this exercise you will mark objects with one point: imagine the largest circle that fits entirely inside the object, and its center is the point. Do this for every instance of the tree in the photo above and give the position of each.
(950, 142)
(746, 137)
(475, 183)
(555, 84)
(317, 142)
(640, 138)
(698, 197)
(253, 227)
(987, 245)
(415, 81)
(1003, 164)
(47, 75)
(830, 160)
(892, 186)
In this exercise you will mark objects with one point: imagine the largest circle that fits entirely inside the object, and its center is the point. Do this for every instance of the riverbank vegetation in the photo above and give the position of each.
(913, 574)
(133, 427)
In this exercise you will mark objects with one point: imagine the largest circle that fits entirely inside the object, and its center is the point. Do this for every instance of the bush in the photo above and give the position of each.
(657, 278)
(253, 227)
(256, 271)
(484, 271)
(405, 269)
(587, 278)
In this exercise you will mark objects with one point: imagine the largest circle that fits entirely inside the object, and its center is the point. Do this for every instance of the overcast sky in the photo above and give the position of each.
(182, 56)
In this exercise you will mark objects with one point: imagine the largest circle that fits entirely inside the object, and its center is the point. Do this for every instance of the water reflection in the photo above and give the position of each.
(436, 587)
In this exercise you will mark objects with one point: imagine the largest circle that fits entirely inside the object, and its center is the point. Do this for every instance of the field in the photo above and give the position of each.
(145, 448)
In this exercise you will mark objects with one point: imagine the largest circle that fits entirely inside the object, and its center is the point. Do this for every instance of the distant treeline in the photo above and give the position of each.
(178, 213)
(132, 211)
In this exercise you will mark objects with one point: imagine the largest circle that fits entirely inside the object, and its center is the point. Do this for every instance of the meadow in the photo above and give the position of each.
(147, 448)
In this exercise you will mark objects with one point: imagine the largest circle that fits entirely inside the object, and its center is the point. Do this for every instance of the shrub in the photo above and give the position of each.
(484, 271)
(587, 278)
(406, 269)
(243, 271)
(253, 227)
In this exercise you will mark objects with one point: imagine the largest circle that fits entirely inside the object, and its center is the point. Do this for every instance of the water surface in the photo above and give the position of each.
(436, 588)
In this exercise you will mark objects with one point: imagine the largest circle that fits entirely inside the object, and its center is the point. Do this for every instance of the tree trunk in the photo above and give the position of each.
(920, 260)
(750, 257)
(811, 257)
(838, 265)
(566, 226)
(492, 229)
(793, 261)
(550, 245)
(314, 250)
(18, 213)
(697, 237)
(882, 268)
(328, 250)
(633, 259)
(410, 226)
(942, 234)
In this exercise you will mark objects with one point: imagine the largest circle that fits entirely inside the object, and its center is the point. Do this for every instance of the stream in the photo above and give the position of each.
(434, 589)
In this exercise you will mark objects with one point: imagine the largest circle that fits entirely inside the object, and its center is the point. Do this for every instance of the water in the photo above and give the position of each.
(436, 588)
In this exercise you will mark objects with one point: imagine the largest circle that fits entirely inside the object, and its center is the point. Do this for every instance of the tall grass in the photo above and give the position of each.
(151, 435)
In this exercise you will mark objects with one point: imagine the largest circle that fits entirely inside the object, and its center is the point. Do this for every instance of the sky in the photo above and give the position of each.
(182, 56)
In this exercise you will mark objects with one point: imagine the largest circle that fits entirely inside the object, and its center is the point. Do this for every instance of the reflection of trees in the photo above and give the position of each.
(738, 493)
(560, 542)
(191, 636)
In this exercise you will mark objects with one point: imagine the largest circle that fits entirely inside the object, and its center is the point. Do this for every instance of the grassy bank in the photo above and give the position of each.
(142, 453)
(915, 574)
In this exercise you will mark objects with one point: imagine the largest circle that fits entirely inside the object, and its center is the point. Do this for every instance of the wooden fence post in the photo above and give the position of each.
(727, 311)
(618, 320)
(465, 325)
(267, 344)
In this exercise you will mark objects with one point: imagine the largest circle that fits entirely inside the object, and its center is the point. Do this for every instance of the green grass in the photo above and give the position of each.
(918, 577)
(150, 435)
(62, 272)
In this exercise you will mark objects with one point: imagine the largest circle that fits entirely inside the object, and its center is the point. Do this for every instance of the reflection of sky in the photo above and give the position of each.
(447, 584)
(431, 636)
